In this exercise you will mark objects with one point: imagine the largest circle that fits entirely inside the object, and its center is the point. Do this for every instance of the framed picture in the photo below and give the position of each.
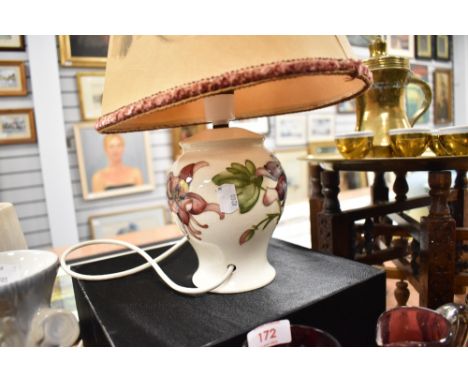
(400, 45)
(12, 78)
(121, 222)
(296, 171)
(443, 113)
(325, 148)
(346, 107)
(320, 127)
(442, 48)
(113, 164)
(351, 180)
(423, 47)
(90, 89)
(181, 133)
(256, 125)
(414, 94)
(83, 50)
(17, 126)
(12, 42)
(361, 41)
(291, 130)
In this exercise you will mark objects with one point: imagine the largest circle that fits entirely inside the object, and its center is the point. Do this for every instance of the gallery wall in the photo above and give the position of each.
(21, 181)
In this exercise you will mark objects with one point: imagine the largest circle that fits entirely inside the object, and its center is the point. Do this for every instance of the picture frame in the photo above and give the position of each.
(400, 45)
(443, 96)
(113, 164)
(116, 223)
(346, 107)
(181, 133)
(12, 42)
(17, 126)
(90, 90)
(12, 79)
(291, 129)
(296, 171)
(325, 148)
(255, 125)
(423, 47)
(320, 127)
(442, 48)
(352, 180)
(83, 50)
(414, 94)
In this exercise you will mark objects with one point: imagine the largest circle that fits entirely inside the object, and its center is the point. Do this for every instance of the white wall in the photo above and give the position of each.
(21, 180)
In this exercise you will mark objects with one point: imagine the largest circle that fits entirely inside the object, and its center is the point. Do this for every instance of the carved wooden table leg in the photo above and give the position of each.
(400, 186)
(336, 233)
(459, 209)
(315, 202)
(379, 190)
(402, 293)
(437, 245)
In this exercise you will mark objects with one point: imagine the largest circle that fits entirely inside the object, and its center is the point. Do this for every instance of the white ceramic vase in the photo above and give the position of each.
(227, 193)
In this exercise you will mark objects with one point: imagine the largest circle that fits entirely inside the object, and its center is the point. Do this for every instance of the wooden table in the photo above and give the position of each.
(429, 253)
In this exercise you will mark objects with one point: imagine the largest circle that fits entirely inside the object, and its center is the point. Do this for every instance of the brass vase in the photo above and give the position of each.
(383, 107)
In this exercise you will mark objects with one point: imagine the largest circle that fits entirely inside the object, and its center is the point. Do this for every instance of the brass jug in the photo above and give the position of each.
(383, 106)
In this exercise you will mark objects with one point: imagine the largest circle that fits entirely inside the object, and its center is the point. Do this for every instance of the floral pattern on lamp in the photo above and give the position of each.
(238, 232)
(248, 182)
(186, 204)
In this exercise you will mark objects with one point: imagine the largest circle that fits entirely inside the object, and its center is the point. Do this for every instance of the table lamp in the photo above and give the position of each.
(226, 190)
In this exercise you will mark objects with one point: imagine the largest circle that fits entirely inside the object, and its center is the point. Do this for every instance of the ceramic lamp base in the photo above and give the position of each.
(253, 270)
(227, 193)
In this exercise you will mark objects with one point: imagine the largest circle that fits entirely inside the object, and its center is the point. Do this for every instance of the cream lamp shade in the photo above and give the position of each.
(157, 82)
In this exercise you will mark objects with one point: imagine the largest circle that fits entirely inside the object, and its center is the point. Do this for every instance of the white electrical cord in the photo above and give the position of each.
(150, 262)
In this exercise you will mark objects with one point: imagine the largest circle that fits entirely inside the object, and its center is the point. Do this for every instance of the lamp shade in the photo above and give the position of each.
(160, 81)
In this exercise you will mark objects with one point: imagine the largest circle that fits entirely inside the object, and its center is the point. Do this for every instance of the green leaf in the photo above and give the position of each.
(250, 167)
(235, 171)
(240, 167)
(247, 197)
(226, 177)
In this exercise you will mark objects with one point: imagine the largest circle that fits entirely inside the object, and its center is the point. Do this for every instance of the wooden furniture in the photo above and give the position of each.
(429, 254)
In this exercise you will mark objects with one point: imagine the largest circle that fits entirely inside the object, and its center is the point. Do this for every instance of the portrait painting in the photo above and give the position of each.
(423, 47)
(17, 126)
(443, 92)
(414, 94)
(113, 164)
(179, 134)
(12, 42)
(84, 50)
(12, 78)
(90, 90)
(291, 129)
(400, 45)
(442, 48)
(296, 171)
(320, 127)
(118, 223)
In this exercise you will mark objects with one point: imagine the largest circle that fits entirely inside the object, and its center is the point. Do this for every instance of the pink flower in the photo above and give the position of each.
(186, 204)
(274, 171)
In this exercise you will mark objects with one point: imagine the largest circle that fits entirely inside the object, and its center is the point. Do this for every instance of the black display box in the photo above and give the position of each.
(340, 296)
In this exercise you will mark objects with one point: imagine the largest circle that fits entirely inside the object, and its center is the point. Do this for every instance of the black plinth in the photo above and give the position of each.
(340, 296)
